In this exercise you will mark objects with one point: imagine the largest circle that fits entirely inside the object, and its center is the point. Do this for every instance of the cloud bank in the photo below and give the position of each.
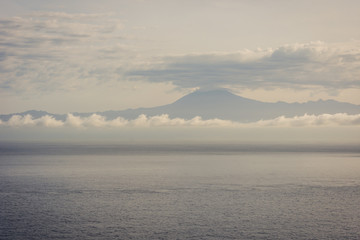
(314, 64)
(98, 121)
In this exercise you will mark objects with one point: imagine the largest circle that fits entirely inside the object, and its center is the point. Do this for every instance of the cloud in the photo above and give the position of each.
(28, 121)
(54, 51)
(315, 64)
(48, 52)
(97, 121)
(338, 119)
(142, 120)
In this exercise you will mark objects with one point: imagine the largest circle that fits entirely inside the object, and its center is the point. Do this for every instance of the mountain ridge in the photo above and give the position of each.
(219, 103)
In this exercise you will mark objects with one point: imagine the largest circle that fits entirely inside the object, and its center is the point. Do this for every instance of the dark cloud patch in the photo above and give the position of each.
(294, 66)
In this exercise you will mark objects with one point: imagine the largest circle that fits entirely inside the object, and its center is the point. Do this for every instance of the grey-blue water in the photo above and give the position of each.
(178, 192)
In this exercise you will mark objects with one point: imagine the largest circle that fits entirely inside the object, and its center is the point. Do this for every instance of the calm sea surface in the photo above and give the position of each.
(178, 192)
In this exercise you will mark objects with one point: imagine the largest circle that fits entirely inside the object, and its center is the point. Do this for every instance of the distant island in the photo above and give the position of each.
(218, 103)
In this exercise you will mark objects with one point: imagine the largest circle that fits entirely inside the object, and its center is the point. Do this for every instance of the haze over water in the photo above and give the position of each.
(179, 119)
(178, 192)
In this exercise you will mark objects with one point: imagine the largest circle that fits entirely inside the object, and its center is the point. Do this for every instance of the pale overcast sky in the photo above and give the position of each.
(65, 56)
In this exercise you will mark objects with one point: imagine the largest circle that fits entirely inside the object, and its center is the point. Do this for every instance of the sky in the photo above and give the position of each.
(83, 56)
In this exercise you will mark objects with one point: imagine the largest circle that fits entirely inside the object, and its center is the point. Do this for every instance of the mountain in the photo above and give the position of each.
(221, 104)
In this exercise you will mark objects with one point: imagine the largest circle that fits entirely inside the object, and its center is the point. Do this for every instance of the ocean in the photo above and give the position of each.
(188, 191)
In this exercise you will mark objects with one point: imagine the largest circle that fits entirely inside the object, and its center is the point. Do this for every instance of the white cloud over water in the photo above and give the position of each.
(338, 119)
(28, 121)
(143, 121)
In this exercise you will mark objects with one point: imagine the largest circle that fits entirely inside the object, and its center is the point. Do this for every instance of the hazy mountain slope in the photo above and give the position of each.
(225, 105)
(221, 104)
